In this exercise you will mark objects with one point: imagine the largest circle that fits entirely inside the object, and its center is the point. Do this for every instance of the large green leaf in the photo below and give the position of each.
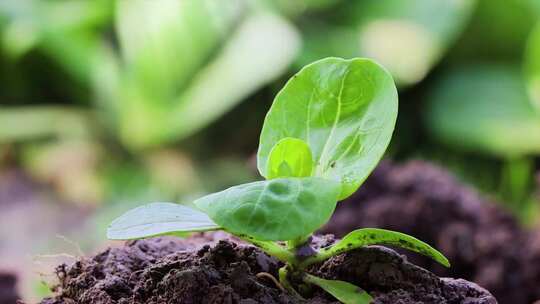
(374, 236)
(158, 219)
(346, 292)
(485, 108)
(162, 56)
(290, 157)
(344, 109)
(258, 49)
(278, 209)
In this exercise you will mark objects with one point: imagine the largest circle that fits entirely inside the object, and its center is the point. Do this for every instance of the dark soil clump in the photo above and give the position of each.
(204, 269)
(8, 292)
(484, 243)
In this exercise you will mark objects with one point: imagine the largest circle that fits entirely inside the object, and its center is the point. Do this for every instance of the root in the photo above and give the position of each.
(261, 275)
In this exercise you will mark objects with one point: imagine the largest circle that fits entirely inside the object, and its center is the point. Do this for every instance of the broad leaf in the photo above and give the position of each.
(373, 236)
(290, 157)
(151, 53)
(344, 109)
(158, 219)
(466, 110)
(278, 209)
(346, 292)
(176, 84)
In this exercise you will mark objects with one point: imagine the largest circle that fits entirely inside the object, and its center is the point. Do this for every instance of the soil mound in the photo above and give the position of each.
(213, 269)
(484, 243)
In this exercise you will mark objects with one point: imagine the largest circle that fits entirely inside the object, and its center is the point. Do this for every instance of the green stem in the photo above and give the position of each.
(273, 249)
(298, 242)
(283, 274)
(320, 256)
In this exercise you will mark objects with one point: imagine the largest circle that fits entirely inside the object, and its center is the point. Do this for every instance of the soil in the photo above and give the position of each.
(484, 243)
(211, 268)
(8, 292)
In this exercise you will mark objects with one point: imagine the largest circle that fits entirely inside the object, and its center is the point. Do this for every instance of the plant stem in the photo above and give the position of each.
(271, 248)
(298, 242)
(283, 273)
(320, 256)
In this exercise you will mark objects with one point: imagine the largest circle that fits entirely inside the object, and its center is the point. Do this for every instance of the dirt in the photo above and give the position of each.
(212, 268)
(484, 243)
(8, 292)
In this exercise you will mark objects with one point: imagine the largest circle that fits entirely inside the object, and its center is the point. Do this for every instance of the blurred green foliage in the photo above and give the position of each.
(122, 99)
(407, 37)
(485, 108)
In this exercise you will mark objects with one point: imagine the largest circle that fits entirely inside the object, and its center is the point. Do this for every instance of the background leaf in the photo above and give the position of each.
(467, 110)
(158, 219)
(232, 72)
(152, 52)
(346, 292)
(344, 109)
(290, 157)
(532, 65)
(404, 36)
(273, 210)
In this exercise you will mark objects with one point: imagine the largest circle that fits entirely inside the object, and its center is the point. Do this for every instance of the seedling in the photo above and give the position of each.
(325, 132)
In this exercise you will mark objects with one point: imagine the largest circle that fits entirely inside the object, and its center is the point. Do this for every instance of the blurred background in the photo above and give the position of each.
(106, 105)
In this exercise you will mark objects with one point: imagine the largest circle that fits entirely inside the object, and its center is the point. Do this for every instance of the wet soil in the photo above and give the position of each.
(8, 292)
(484, 243)
(212, 268)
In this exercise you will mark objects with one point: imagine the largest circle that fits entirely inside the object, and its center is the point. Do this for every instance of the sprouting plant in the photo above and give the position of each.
(325, 132)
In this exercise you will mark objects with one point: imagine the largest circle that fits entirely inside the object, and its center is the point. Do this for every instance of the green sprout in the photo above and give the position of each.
(325, 132)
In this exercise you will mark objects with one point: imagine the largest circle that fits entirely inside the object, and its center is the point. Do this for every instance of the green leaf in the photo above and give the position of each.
(158, 219)
(344, 109)
(373, 236)
(273, 210)
(290, 157)
(346, 292)
(176, 85)
(532, 65)
(467, 111)
(152, 53)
